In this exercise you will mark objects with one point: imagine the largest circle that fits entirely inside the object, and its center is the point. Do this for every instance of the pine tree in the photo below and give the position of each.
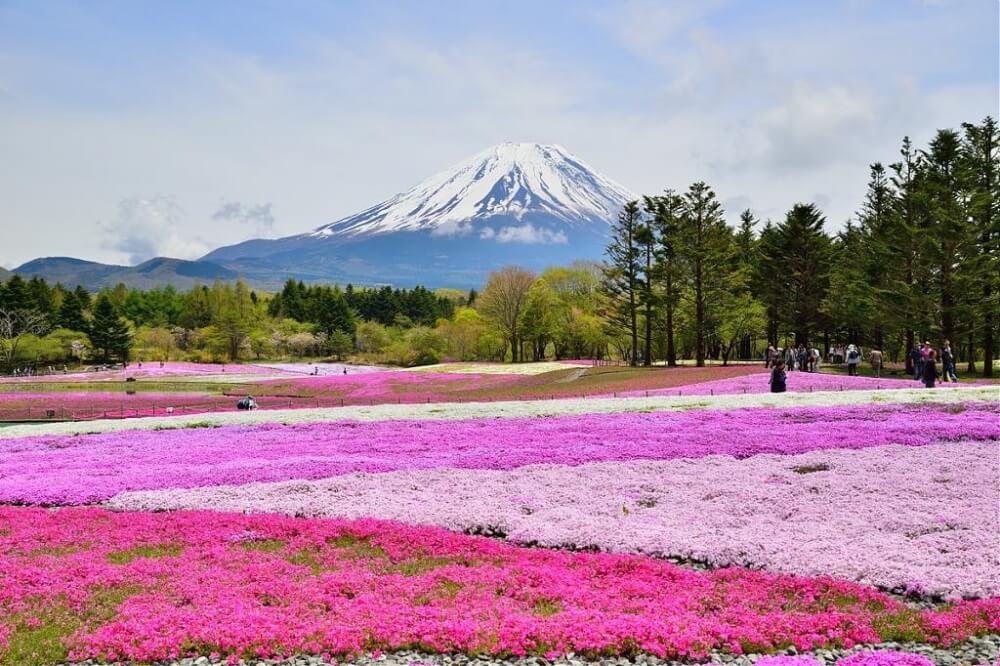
(948, 238)
(108, 332)
(981, 163)
(70, 315)
(665, 212)
(707, 245)
(805, 266)
(877, 222)
(622, 275)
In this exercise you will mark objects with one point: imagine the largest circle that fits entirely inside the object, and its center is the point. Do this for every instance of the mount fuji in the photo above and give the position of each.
(515, 203)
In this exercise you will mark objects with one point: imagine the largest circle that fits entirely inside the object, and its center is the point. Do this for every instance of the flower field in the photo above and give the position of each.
(720, 522)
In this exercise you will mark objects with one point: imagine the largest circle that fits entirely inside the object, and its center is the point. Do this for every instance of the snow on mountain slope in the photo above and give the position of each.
(519, 181)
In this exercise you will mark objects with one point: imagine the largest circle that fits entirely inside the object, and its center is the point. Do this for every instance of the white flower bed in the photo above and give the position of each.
(523, 408)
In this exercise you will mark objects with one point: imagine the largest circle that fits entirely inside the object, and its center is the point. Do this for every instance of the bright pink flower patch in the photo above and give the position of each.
(266, 585)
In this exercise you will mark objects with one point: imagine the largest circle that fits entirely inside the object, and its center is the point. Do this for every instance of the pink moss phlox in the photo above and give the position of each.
(314, 586)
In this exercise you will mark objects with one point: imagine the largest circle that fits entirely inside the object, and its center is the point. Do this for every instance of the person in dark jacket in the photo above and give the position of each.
(915, 360)
(930, 369)
(778, 376)
(948, 373)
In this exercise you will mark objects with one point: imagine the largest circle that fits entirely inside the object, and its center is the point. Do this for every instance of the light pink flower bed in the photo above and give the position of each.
(920, 520)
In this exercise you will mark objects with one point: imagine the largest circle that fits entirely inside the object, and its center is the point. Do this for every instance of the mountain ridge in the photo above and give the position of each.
(534, 205)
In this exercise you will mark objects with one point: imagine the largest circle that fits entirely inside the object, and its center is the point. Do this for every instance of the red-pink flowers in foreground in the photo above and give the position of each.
(157, 586)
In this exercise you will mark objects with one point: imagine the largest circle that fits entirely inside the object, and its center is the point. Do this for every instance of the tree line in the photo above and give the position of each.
(919, 261)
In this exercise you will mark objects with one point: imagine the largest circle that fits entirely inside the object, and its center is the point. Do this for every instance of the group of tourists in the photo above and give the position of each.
(924, 360)
(801, 358)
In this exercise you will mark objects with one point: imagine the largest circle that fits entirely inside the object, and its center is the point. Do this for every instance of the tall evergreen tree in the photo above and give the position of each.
(768, 279)
(805, 251)
(109, 332)
(707, 248)
(70, 315)
(947, 235)
(622, 275)
(907, 272)
(646, 240)
(665, 211)
(981, 164)
(877, 222)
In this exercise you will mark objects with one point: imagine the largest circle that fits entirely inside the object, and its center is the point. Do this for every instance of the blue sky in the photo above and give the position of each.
(129, 129)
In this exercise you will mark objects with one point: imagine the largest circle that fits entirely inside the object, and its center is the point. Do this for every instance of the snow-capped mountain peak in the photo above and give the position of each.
(519, 181)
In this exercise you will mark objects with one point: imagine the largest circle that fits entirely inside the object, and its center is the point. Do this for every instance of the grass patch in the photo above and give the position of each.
(903, 626)
(545, 607)
(146, 551)
(58, 551)
(309, 557)
(263, 545)
(39, 637)
(811, 469)
(357, 547)
(418, 566)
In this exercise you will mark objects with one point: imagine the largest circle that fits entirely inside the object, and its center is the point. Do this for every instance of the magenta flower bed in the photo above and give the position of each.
(920, 520)
(92, 468)
(798, 382)
(96, 404)
(149, 369)
(390, 385)
(272, 585)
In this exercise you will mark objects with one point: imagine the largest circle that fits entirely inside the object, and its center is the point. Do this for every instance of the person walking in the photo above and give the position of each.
(815, 358)
(778, 377)
(875, 358)
(853, 358)
(930, 373)
(769, 356)
(790, 358)
(802, 358)
(948, 373)
(916, 360)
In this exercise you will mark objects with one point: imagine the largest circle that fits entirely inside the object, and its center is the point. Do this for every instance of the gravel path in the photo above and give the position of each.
(984, 650)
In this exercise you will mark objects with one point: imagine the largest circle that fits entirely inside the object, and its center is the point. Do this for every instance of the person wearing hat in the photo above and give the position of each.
(853, 358)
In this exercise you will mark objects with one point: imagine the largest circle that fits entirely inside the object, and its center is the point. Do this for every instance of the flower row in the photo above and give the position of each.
(91, 468)
(160, 586)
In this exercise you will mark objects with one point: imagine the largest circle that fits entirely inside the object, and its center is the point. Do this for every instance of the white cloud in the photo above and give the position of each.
(452, 228)
(531, 235)
(149, 227)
